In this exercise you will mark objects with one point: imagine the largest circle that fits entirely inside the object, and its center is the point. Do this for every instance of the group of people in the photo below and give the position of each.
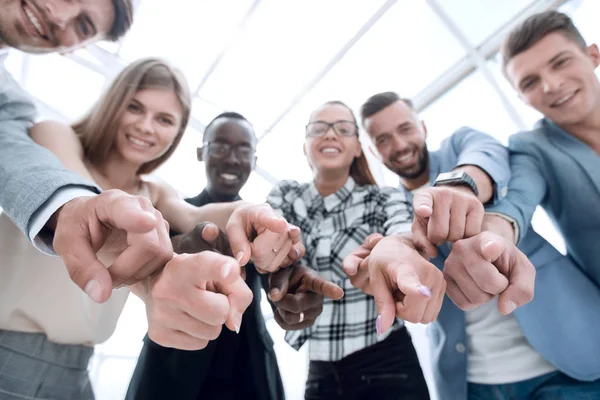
(344, 261)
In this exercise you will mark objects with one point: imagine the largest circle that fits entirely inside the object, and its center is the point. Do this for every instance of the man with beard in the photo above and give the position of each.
(477, 341)
(239, 365)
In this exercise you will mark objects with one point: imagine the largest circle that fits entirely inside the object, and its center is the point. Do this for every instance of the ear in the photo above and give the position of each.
(199, 154)
(594, 54)
(424, 129)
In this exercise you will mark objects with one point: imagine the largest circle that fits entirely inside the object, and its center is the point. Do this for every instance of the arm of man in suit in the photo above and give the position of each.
(450, 213)
(526, 189)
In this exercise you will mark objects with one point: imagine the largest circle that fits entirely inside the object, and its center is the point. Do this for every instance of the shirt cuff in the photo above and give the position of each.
(42, 238)
(513, 222)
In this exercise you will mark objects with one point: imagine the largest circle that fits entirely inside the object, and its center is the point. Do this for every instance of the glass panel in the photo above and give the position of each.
(286, 44)
(585, 15)
(190, 34)
(66, 86)
(256, 189)
(183, 171)
(478, 19)
(471, 103)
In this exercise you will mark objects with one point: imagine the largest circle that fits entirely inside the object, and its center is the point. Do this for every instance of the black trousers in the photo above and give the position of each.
(388, 370)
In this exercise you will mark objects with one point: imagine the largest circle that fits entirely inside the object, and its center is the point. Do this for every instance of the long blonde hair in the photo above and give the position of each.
(97, 130)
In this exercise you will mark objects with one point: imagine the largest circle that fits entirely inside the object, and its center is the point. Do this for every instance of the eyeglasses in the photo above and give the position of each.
(341, 128)
(243, 152)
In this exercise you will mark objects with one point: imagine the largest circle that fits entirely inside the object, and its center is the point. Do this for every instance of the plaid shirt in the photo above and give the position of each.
(332, 227)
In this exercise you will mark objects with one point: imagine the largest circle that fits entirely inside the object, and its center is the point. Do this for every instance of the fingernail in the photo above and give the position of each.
(424, 290)
(378, 325)
(292, 227)
(238, 324)
(424, 207)
(488, 244)
(297, 253)
(510, 307)
(239, 256)
(274, 292)
(226, 270)
(94, 290)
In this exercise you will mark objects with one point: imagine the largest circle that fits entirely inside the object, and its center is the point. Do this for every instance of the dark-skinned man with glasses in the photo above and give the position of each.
(242, 365)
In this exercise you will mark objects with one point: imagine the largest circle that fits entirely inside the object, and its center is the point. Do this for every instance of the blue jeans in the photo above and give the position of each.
(552, 386)
(388, 370)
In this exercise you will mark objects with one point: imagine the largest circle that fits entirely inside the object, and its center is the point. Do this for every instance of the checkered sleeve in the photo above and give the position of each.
(280, 199)
(397, 209)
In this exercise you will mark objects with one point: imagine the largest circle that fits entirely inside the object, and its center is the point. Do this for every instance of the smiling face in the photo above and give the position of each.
(399, 137)
(556, 77)
(43, 26)
(149, 125)
(331, 151)
(229, 156)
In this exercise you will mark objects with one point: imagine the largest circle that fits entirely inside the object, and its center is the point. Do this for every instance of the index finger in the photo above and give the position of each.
(316, 284)
(423, 204)
(124, 211)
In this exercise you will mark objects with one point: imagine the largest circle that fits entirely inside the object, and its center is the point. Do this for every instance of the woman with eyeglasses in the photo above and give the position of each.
(336, 212)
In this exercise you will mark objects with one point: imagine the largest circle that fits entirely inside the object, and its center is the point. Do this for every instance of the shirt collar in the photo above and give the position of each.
(333, 200)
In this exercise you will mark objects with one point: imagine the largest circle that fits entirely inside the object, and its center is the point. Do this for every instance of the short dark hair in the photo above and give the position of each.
(123, 19)
(379, 101)
(228, 115)
(534, 29)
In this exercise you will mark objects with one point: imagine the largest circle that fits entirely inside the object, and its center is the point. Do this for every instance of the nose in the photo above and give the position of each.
(144, 124)
(399, 144)
(330, 133)
(551, 83)
(62, 12)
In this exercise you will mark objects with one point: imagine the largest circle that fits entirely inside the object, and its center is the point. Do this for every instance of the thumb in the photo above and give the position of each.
(423, 204)
(384, 300)
(210, 233)
(521, 284)
(238, 241)
(491, 246)
(87, 271)
(279, 283)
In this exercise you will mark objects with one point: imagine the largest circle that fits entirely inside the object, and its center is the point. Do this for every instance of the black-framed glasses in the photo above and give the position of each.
(341, 128)
(243, 152)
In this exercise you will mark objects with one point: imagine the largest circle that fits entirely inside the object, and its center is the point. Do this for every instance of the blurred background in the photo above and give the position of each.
(275, 61)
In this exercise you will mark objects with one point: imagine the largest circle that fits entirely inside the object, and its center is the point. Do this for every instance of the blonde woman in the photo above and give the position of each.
(48, 326)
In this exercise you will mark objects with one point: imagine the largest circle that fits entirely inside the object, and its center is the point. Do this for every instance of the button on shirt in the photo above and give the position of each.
(332, 227)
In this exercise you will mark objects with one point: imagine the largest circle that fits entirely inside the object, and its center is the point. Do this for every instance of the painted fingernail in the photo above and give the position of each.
(239, 256)
(292, 227)
(510, 307)
(424, 290)
(297, 253)
(378, 325)
(226, 270)
(94, 290)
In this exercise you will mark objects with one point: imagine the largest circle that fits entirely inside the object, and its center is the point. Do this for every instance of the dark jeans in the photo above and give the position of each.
(552, 386)
(388, 370)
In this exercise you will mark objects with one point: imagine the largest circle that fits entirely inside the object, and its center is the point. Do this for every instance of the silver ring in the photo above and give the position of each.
(275, 251)
(301, 318)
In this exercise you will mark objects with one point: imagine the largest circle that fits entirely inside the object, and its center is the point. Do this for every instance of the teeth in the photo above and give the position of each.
(564, 99)
(404, 158)
(138, 142)
(228, 177)
(330, 150)
(34, 21)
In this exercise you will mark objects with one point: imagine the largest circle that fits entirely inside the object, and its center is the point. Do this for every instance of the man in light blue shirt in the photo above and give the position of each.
(488, 348)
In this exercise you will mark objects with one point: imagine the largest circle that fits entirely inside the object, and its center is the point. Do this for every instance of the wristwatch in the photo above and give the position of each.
(456, 178)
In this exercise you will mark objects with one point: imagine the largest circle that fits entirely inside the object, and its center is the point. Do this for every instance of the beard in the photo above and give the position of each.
(415, 171)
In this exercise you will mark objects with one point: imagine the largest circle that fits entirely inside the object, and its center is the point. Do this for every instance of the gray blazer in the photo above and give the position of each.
(29, 174)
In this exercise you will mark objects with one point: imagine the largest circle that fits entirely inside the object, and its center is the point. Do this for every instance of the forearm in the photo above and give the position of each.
(500, 225)
(217, 213)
